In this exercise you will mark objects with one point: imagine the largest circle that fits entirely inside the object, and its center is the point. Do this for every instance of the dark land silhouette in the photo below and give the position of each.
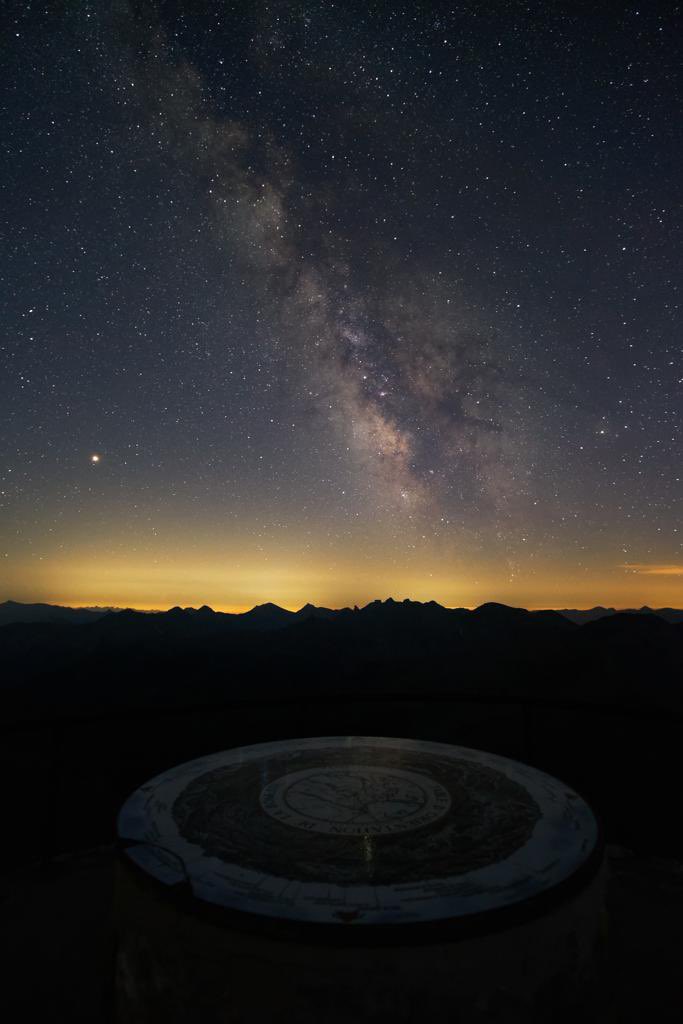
(115, 696)
(95, 702)
(59, 660)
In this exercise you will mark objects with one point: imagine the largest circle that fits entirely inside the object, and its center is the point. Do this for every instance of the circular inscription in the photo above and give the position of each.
(355, 800)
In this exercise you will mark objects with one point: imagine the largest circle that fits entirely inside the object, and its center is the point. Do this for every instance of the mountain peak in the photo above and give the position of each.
(269, 608)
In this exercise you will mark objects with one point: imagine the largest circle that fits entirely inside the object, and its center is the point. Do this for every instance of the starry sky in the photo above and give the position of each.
(334, 301)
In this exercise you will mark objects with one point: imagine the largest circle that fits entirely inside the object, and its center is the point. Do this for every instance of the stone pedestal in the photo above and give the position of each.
(356, 879)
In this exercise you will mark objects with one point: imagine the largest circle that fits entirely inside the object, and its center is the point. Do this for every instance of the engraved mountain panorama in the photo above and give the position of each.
(312, 816)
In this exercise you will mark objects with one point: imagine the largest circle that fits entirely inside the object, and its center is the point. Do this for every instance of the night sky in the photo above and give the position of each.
(335, 301)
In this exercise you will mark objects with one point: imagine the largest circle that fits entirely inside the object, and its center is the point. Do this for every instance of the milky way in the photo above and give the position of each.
(334, 290)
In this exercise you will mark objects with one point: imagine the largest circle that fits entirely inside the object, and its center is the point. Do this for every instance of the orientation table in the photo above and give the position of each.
(356, 878)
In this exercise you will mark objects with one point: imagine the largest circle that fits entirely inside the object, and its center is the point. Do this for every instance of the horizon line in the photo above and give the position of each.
(245, 609)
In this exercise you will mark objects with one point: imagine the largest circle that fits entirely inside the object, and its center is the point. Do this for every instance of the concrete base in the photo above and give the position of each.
(177, 967)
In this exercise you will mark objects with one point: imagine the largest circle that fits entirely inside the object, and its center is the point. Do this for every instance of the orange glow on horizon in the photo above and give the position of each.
(233, 584)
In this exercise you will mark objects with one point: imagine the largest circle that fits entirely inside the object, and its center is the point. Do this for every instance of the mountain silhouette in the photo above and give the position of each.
(13, 611)
(269, 615)
(101, 659)
(581, 615)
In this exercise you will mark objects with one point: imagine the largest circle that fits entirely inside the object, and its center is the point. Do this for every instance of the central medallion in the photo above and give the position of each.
(355, 800)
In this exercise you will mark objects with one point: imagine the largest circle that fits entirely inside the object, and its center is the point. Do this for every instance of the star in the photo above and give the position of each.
(461, 319)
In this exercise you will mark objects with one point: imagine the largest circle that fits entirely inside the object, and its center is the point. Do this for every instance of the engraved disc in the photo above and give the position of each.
(358, 829)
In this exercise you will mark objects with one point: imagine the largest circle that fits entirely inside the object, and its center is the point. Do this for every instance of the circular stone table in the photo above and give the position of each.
(356, 878)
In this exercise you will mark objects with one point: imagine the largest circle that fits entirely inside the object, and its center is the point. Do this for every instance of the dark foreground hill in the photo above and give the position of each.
(92, 709)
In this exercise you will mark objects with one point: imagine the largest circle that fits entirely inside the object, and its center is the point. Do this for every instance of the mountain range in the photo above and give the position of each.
(94, 659)
(270, 616)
